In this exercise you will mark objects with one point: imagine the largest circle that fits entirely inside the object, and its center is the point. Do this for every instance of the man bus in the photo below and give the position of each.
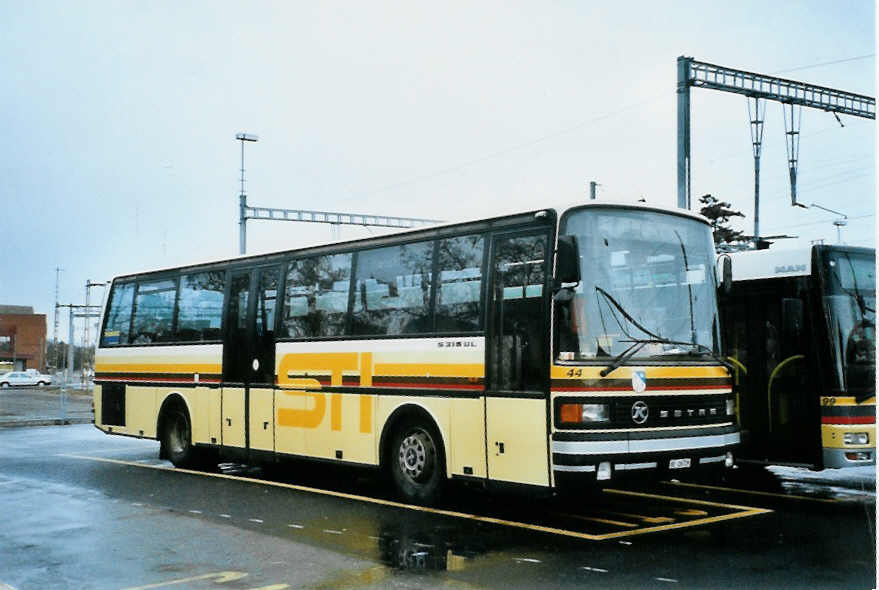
(800, 326)
(537, 350)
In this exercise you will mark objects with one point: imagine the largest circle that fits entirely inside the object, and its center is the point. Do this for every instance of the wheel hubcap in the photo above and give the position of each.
(414, 455)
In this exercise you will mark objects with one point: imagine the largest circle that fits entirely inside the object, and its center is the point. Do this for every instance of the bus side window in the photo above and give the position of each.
(154, 311)
(392, 290)
(316, 299)
(200, 306)
(118, 321)
(459, 289)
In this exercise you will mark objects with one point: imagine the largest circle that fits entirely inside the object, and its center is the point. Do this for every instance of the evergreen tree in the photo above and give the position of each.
(719, 213)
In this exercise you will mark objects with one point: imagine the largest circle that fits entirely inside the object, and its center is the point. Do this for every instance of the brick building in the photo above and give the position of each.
(22, 338)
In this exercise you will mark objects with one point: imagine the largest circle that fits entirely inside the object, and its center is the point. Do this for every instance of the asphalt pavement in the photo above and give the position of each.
(85, 510)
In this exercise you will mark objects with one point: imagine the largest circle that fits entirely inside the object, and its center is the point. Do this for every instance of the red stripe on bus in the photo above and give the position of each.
(430, 386)
(848, 419)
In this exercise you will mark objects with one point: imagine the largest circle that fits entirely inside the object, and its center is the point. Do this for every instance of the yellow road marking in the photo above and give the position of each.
(219, 578)
(645, 518)
(744, 510)
(752, 492)
(682, 500)
(596, 519)
(691, 512)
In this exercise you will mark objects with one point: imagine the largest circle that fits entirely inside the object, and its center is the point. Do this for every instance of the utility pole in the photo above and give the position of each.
(242, 196)
(337, 220)
(692, 73)
(87, 342)
(57, 359)
(87, 311)
(756, 119)
(592, 189)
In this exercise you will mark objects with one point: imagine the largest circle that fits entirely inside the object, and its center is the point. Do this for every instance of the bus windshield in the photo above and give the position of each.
(647, 287)
(850, 311)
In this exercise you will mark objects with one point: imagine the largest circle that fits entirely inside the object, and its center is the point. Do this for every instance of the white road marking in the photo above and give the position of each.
(225, 516)
(673, 581)
(256, 520)
(195, 511)
(593, 569)
(625, 542)
(332, 532)
(295, 526)
(526, 560)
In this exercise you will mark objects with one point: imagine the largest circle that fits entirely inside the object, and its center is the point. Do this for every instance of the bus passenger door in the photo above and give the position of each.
(261, 384)
(235, 352)
(518, 359)
(249, 360)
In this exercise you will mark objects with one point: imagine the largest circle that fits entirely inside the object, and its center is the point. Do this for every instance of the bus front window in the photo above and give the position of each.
(647, 287)
(850, 311)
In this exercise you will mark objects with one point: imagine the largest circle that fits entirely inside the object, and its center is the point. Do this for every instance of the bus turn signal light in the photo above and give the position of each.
(584, 413)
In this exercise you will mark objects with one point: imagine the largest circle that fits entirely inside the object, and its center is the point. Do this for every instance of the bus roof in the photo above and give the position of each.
(559, 208)
(771, 264)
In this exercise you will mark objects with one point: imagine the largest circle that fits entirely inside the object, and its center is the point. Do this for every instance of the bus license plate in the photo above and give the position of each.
(679, 463)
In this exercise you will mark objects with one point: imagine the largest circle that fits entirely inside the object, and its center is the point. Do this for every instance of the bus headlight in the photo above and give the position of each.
(856, 438)
(584, 413)
(730, 407)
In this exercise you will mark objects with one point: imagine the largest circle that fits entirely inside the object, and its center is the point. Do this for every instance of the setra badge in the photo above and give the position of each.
(639, 380)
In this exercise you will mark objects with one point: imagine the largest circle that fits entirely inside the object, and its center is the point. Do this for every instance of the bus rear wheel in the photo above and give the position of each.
(416, 462)
(177, 439)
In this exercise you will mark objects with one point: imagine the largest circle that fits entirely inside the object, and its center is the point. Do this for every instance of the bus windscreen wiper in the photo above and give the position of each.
(639, 343)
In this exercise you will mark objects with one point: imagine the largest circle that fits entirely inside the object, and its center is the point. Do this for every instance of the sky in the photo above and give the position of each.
(119, 118)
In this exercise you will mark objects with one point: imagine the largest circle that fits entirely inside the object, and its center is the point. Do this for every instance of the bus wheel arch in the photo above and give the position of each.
(413, 453)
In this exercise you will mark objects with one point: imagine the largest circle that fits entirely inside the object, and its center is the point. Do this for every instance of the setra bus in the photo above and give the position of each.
(800, 327)
(537, 350)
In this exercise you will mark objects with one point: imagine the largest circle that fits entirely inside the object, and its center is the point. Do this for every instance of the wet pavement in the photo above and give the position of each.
(86, 510)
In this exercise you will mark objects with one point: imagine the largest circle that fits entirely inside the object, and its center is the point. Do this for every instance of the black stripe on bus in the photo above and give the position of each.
(836, 411)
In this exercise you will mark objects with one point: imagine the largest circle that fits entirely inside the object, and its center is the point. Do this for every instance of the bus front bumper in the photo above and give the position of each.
(655, 453)
(852, 457)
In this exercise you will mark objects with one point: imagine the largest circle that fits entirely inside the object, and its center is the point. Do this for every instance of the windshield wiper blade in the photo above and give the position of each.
(623, 357)
(705, 350)
(626, 315)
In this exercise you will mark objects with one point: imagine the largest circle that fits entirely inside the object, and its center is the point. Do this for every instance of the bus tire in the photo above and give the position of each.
(416, 462)
(177, 439)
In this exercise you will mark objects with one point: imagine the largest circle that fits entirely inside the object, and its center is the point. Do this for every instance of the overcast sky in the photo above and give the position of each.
(118, 152)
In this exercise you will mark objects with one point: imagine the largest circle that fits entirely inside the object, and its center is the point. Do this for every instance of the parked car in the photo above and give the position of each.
(24, 378)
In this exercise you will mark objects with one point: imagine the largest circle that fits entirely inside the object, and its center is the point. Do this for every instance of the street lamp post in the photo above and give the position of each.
(242, 197)
(839, 223)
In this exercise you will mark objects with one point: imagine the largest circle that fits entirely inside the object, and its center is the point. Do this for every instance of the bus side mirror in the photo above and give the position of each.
(567, 265)
(726, 274)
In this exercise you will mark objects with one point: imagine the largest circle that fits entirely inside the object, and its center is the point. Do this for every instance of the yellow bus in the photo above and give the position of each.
(800, 326)
(542, 350)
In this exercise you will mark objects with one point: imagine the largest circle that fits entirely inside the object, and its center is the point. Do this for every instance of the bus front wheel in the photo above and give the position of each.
(415, 459)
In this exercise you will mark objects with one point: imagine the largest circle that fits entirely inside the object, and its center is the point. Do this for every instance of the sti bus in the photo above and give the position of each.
(545, 349)
(800, 325)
